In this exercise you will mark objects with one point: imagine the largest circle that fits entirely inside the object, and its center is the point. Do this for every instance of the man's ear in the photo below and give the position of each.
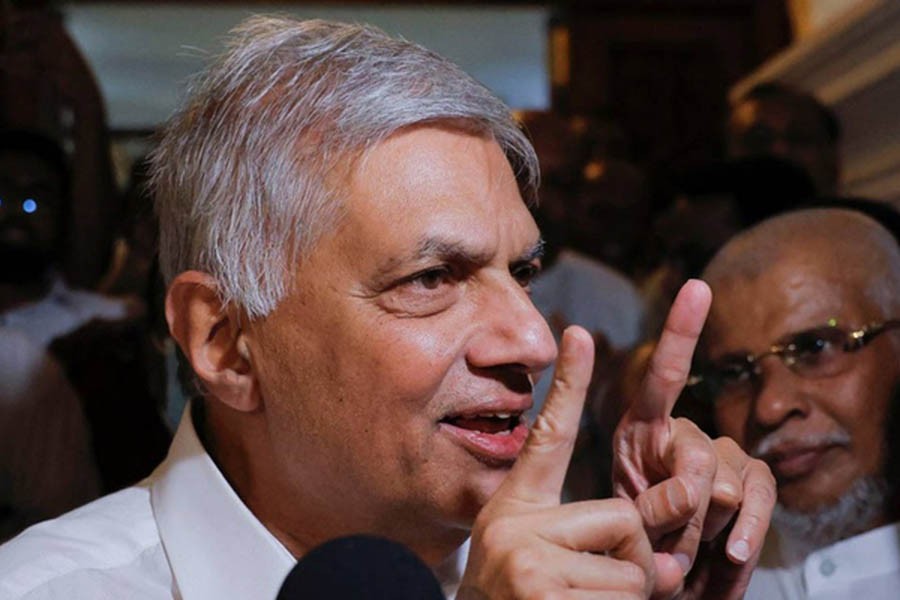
(210, 336)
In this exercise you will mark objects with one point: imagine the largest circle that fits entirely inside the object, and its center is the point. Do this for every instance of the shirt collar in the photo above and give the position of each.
(215, 546)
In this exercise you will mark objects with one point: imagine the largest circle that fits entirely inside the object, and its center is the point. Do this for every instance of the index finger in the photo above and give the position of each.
(670, 364)
(540, 469)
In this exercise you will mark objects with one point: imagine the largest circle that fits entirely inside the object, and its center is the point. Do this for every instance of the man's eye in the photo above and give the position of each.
(432, 278)
(810, 344)
(525, 273)
(733, 373)
(811, 349)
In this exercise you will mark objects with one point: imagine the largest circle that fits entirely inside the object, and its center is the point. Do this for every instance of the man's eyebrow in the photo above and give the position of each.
(433, 247)
(453, 251)
(534, 252)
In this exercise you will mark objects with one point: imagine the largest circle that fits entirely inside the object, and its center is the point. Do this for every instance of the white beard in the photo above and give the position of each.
(855, 512)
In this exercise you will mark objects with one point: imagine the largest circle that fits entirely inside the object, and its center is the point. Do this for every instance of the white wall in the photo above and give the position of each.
(142, 53)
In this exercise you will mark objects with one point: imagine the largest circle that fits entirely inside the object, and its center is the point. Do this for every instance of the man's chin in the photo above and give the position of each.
(855, 511)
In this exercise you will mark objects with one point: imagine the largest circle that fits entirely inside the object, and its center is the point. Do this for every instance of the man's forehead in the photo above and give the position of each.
(435, 194)
(783, 300)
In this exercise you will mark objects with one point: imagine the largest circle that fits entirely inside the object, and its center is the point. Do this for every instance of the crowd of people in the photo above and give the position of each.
(396, 308)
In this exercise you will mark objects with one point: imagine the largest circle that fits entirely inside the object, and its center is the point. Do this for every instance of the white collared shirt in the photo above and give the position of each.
(863, 567)
(182, 533)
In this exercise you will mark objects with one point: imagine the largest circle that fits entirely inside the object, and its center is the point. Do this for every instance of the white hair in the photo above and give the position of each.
(853, 513)
(247, 174)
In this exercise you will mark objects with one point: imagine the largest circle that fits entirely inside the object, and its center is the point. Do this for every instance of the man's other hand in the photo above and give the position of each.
(687, 488)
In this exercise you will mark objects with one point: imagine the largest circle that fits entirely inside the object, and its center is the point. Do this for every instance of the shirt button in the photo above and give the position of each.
(827, 567)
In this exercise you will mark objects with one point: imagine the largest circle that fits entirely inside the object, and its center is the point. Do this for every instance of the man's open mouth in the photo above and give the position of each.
(495, 423)
(495, 438)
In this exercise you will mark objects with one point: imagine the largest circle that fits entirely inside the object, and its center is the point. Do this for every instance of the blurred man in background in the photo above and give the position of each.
(773, 119)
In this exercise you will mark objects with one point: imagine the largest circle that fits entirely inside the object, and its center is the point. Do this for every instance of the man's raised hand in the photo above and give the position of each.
(686, 487)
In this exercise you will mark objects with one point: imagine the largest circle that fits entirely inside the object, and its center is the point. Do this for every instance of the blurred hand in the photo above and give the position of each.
(688, 489)
(526, 545)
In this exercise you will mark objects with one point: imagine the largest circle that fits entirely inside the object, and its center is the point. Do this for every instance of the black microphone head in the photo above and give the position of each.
(361, 567)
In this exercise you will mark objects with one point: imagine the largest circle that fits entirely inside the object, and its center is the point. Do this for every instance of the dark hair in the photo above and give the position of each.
(40, 145)
(761, 186)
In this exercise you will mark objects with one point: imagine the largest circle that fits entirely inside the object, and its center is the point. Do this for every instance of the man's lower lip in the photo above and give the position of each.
(796, 464)
(494, 447)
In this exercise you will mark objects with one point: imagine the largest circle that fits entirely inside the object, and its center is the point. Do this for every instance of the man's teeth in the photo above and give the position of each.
(488, 422)
(496, 415)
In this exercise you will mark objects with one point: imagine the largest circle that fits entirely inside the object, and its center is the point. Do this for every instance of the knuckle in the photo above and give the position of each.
(726, 446)
(647, 510)
(681, 497)
(763, 494)
(727, 494)
(700, 457)
(668, 371)
(548, 434)
(700, 464)
(693, 529)
(753, 521)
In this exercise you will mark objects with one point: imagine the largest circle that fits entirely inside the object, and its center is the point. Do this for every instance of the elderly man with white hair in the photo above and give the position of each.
(801, 362)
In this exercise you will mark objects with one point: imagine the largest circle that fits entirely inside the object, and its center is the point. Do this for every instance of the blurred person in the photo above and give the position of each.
(348, 253)
(76, 400)
(574, 286)
(800, 361)
(608, 213)
(46, 464)
(773, 119)
(47, 86)
(712, 203)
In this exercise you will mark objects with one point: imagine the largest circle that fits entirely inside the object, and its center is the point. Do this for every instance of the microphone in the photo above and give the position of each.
(361, 567)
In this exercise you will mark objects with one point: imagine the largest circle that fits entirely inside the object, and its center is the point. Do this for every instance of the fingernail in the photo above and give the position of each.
(684, 561)
(740, 551)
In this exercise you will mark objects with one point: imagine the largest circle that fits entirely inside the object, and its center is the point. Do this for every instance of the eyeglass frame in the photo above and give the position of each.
(854, 341)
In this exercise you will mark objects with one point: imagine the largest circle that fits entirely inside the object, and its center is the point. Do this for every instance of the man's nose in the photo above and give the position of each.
(511, 330)
(778, 396)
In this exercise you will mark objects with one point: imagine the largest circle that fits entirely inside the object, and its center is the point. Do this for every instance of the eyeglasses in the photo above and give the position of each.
(812, 353)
